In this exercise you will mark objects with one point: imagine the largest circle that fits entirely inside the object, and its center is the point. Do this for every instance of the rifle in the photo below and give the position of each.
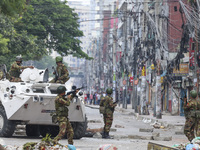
(112, 109)
(56, 73)
(116, 101)
(73, 92)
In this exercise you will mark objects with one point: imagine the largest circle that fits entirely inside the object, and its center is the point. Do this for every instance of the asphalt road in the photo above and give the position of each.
(125, 130)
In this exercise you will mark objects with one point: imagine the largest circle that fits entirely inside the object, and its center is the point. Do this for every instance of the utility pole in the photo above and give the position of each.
(114, 56)
(158, 82)
(125, 57)
(101, 48)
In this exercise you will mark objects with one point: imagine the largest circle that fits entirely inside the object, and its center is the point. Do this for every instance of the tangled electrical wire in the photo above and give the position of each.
(192, 16)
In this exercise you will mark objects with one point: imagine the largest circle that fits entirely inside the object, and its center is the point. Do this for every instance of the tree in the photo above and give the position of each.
(55, 25)
(12, 7)
(12, 43)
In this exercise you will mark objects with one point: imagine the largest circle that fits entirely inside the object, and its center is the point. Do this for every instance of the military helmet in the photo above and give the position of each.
(193, 94)
(61, 89)
(18, 58)
(59, 59)
(109, 91)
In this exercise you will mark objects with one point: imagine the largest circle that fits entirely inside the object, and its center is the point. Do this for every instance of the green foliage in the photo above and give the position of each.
(55, 25)
(29, 146)
(47, 139)
(14, 43)
(12, 7)
(3, 45)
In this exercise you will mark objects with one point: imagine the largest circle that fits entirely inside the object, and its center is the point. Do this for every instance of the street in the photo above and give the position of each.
(125, 130)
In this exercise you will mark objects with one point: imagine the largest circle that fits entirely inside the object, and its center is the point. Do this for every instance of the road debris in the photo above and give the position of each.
(47, 144)
(108, 147)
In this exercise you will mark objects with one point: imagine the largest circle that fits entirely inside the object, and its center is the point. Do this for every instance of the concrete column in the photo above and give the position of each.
(158, 97)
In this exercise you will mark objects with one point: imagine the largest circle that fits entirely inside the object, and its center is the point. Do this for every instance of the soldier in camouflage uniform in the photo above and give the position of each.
(1, 74)
(108, 115)
(192, 115)
(15, 70)
(61, 104)
(62, 72)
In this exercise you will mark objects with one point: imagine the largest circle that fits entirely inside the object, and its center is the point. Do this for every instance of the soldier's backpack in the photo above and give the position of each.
(101, 105)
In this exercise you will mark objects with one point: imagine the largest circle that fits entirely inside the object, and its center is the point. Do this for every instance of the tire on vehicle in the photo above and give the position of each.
(79, 129)
(32, 130)
(7, 127)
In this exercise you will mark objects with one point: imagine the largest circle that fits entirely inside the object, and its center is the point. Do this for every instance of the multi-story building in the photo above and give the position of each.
(81, 8)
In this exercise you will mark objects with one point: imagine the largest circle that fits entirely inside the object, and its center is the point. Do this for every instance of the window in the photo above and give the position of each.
(175, 8)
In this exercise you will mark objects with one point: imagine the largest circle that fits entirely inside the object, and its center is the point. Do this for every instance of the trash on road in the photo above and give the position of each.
(107, 147)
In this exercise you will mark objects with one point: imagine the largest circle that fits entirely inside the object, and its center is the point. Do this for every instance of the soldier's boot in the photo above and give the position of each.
(107, 136)
(103, 134)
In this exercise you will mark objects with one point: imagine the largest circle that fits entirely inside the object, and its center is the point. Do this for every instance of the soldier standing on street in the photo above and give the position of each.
(61, 104)
(192, 114)
(108, 114)
(16, 70)
(61, 71)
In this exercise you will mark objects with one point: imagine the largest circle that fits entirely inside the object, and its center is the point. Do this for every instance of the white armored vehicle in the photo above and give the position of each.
(31, 102)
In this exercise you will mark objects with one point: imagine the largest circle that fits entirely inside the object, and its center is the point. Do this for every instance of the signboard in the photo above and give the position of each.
(131, 79)
(101, 84)
(136, 82)
(124, 82)
(143, 71)
(183, 70)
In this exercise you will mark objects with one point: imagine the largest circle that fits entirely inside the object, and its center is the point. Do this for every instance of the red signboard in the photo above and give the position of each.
(191, 52)
(131, 79)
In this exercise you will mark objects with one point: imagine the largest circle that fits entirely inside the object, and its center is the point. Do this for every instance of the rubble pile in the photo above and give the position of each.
(45, 144)
(194, 145)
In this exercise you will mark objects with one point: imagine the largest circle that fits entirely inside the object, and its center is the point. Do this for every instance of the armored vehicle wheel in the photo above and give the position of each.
(7, 127)
(32, 130)
(52, 130)
(79, 129)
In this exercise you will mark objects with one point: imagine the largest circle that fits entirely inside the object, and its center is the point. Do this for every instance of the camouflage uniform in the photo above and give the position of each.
(63, 74)
(109, 110)
(1, 74)
(101, 104)
(61, 104)
(15, 72)
(191, 110)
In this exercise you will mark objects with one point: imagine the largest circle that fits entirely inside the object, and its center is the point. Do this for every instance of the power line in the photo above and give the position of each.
(98, 19)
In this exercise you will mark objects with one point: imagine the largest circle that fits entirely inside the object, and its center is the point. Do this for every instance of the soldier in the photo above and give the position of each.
(191, 110)
(1, 74)
(61, 71)
(61, 104)
(108, 114)
(16, 70)
(198, 116)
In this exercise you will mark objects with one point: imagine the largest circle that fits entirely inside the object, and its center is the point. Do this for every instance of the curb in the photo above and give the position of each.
(93, 107)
